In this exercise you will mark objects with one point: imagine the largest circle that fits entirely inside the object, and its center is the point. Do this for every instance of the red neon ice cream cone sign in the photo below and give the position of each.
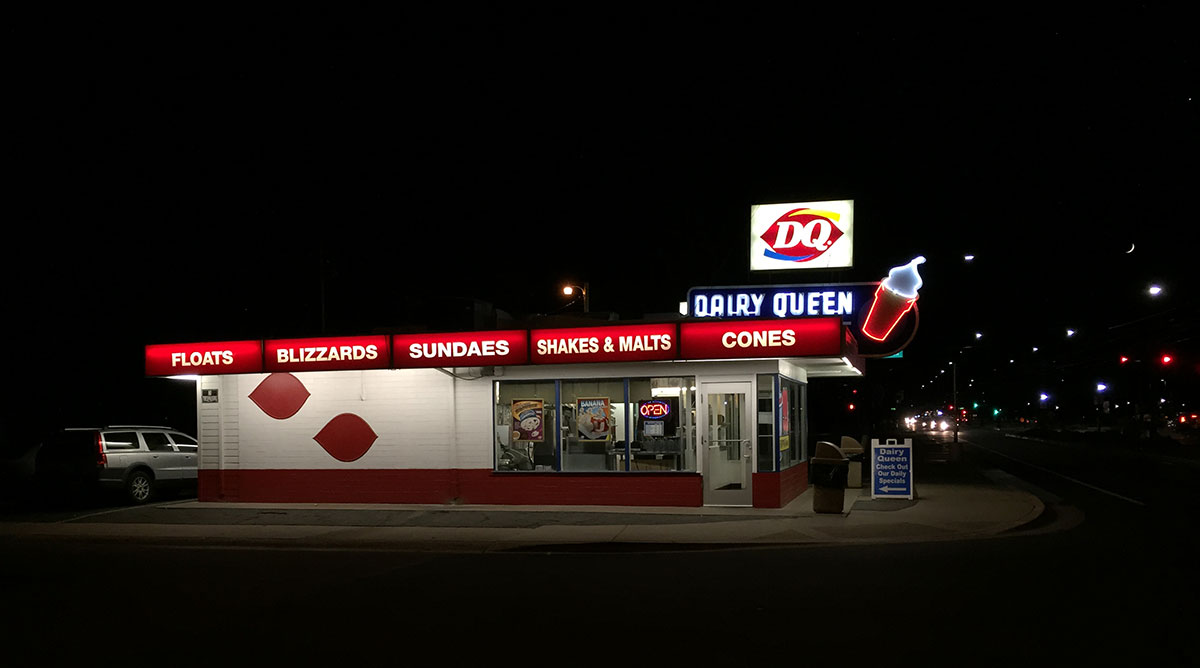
(894, 297)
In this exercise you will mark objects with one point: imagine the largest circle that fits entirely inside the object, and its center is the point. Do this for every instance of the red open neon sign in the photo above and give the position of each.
(655, 409)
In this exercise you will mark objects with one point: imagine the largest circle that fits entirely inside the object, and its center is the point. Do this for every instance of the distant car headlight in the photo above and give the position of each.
(944, 426)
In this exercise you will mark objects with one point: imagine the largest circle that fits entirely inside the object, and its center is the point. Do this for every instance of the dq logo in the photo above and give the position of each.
(801, 235)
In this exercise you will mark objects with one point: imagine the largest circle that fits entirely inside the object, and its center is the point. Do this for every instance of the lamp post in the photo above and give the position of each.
(583, 291)
(958, 358)
(1100, 402)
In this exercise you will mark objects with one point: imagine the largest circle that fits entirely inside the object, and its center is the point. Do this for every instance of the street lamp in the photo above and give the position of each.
(569, 290)
(955, 386)
(1101, 406)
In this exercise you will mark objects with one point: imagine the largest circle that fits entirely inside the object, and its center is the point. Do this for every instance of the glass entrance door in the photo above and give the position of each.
(727, 443)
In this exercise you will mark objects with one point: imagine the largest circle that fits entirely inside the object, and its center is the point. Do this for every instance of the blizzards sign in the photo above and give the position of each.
(802, 235)
(340, 354)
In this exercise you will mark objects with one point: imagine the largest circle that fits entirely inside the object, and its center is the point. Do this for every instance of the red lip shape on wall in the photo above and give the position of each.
(347, 437)
(280, 395)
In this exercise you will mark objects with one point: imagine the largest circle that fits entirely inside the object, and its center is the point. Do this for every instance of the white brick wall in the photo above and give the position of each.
(219, 425)
(425, 419)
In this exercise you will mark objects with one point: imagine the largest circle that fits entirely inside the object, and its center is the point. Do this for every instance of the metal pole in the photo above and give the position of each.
(954, 413)
(585, 297)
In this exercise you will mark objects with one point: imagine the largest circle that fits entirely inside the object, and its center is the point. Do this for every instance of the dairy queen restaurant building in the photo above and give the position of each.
(708, 408)
(685, 413)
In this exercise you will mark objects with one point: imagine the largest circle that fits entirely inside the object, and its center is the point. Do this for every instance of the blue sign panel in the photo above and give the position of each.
(780, 301)
(891, 469)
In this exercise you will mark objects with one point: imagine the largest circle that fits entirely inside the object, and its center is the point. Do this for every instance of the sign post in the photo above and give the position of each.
(891, 469)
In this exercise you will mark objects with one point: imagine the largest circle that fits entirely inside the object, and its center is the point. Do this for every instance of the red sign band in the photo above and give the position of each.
(500, 348)
(179, 359)
(740, 339)
(619, 343)
(329, 354)
(726, 339)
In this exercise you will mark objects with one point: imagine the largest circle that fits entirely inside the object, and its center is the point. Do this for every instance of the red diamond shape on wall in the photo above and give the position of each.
(280, 395)
(347, 437)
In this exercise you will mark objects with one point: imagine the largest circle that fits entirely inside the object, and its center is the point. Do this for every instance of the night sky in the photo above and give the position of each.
(182, 178)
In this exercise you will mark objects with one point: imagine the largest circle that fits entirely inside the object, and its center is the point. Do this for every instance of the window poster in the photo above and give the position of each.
(527, 424)
(593, 418)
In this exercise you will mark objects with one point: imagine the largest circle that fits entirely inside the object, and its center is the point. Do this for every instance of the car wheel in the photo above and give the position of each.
(140, 486)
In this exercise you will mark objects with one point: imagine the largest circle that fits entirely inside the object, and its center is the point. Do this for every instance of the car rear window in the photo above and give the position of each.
(121, 440)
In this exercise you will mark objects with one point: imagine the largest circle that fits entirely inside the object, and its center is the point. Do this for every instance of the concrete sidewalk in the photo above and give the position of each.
(977, 507)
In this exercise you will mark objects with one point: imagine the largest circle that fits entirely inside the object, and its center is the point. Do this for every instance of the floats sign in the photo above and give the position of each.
(802, 235)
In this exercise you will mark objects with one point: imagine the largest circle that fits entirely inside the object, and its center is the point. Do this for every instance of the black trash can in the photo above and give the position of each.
(827, 472)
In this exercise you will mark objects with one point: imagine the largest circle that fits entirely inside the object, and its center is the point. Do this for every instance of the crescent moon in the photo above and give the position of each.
(1131, 247)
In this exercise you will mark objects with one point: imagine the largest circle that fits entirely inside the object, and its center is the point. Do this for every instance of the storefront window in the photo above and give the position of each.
(525, 419)
(793, 432)
(662, 428)
(619, 424)
(593, 424)
(766, 423)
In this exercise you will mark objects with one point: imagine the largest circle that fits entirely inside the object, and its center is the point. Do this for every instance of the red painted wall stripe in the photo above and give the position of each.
(435, 486)
(482, 486)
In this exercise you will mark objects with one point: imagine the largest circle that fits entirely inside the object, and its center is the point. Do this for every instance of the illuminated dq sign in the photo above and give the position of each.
(655, 409)
(802, 235)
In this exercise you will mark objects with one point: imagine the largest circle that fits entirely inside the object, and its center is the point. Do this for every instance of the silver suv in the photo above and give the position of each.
(139, 460)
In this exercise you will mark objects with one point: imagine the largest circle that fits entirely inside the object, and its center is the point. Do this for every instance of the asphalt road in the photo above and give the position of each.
(1107, 578)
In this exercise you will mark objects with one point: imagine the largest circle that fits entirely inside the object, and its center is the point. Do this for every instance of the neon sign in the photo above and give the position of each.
(780, 301)
(894, 297)
(654, 409)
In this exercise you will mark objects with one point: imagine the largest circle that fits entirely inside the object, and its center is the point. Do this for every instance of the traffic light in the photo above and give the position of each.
(1124, 359)
(1166, 359)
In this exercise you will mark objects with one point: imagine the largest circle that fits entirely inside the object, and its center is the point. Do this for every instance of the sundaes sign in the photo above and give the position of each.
(499, 348)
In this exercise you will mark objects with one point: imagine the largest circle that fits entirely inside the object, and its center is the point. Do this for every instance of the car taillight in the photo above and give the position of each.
(101, 458)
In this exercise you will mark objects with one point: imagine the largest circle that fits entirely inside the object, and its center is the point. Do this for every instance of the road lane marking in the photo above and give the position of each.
(1064, 477)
